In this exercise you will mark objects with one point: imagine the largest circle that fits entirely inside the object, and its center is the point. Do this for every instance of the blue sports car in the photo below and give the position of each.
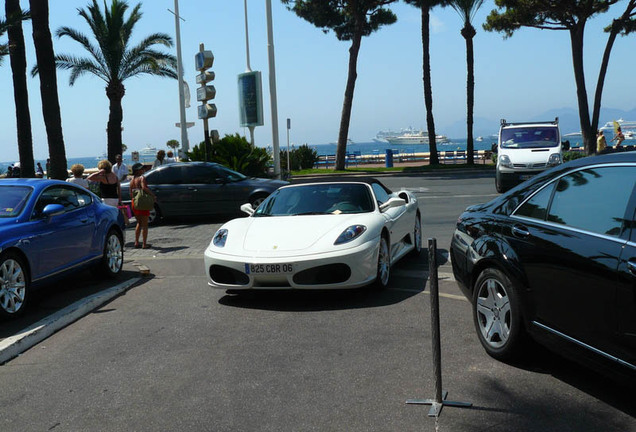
(49, 228)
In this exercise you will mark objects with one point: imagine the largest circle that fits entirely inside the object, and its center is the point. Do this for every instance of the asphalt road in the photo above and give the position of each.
(172, 354)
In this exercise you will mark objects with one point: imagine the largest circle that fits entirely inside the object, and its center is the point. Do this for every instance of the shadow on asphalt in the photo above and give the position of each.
(51, 298)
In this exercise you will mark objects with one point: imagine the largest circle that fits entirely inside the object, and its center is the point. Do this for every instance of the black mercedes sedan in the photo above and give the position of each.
(555, 258)
(202, 189)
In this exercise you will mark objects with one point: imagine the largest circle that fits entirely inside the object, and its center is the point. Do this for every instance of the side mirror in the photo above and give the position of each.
(52, 210)
(392, 202)
(565, 145)
(247, 208)
(493, 148)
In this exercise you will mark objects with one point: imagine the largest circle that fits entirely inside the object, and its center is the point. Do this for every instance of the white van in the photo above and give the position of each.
(525, 149)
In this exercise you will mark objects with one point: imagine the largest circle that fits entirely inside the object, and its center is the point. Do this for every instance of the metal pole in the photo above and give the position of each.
(182, 114)
(272, 89)
(247, 41)
(288, 165)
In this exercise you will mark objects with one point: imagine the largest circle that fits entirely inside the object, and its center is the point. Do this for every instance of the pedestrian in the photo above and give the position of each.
(109, 187)
(160, 159)
(619, 137)
(39, 172)
(16, 170)
(170, 157)
(9, 171)
(48, 168)
(120, 169)
(139, 183)
(78, 176)
(601, 142)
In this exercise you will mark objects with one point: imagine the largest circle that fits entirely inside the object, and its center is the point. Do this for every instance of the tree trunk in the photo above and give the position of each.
(341, 152)
(115, 92)
(20, 91)
(428, 88)
(468, 32)
(589, 137)
(48, 87)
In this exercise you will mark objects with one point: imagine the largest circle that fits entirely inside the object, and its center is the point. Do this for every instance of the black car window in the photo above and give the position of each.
(170, 174)
(228, 175)
(199, 174)
(537, 206)
(594, 199)
(380, 193)
(66, 197)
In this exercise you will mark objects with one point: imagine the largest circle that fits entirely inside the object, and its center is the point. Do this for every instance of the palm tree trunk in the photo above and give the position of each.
(20, 91)
(345, 118)
(115, 93)
(469, 33)
(428, 88)
(589, 139)
(48, 87)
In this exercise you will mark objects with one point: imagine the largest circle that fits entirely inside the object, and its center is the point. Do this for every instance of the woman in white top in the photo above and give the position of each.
(78, 176)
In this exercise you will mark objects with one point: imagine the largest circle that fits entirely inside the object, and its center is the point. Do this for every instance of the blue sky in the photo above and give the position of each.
(516, 78)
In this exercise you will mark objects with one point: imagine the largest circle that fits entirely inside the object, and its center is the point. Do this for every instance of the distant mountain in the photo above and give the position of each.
(568, 121)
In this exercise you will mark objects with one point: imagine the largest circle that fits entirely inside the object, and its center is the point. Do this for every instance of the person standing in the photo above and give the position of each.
(9, 171)
(160, 159)
(109, 187)
(619, 137)
(78, 176)
(170, 157)
(39, 172)
(601, 142)
(48, 168)
(120, 169)
(139, 183)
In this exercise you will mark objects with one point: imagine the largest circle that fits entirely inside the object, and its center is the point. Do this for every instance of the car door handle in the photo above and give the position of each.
(193, 189)
(631, 265)
(520, 231)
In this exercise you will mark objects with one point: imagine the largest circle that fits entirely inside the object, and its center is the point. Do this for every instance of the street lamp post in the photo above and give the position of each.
(185, 146)
(272, 89)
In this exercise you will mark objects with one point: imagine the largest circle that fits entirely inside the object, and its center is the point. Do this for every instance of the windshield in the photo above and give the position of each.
(529, 137)
(13, 200)
(318, 199)
(229, 175)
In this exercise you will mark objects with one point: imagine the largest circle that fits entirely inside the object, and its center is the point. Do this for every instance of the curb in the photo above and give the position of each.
(15, 345)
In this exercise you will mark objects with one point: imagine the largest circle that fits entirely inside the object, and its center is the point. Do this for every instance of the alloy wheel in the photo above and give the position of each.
(494, 315)
(12, 286)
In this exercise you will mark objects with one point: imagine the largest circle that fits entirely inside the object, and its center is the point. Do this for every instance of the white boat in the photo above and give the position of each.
(412, 136)
(147, 154)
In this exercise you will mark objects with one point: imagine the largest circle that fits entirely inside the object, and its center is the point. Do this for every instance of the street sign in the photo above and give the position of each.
(205, 77)
(203, 60)
(207, 111)
(250, 99)
(206, 93)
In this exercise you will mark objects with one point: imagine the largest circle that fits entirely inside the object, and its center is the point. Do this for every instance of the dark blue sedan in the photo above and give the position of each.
(48, 229)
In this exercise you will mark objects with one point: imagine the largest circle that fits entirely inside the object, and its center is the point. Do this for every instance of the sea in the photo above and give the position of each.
(365, 148)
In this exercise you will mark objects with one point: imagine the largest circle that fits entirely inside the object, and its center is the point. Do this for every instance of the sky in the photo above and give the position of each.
(516, 78)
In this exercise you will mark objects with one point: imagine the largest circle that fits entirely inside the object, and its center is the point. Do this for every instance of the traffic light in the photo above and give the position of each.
(204, 60)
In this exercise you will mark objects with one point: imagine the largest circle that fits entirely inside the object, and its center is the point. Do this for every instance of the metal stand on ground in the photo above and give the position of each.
(440, 396)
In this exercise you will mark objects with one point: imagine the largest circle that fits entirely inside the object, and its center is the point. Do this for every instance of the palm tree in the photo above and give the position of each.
(48, 87)
(15, 48)
(467, 10)
(113, 60)
(426, 6)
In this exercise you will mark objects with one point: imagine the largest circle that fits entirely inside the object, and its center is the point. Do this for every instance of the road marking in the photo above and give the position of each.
(456, 196)
(445, 295)
(421, 274)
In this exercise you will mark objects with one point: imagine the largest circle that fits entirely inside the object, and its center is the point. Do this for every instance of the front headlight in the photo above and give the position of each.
(350, 233)
(555, 159)
(219, 238)
(504, 161)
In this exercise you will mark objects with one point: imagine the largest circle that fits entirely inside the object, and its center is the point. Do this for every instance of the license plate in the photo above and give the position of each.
(268, 268)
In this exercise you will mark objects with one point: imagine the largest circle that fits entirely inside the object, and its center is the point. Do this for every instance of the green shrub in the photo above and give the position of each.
(303, 157)
(571, 155)
(236, 153)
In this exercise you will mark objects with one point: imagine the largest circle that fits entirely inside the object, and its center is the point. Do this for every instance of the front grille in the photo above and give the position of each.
(322, 275)
(228, 276)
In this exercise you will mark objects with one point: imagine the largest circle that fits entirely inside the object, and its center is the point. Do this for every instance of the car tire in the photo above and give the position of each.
(257, 199)
(14, 285)
(498, 185)
(154, 218)
(112, 260)
(383, 269)
(417, 236)
(497, 314)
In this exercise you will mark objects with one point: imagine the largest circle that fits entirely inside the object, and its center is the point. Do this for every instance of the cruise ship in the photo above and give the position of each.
(627, 127)
(411, 136)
